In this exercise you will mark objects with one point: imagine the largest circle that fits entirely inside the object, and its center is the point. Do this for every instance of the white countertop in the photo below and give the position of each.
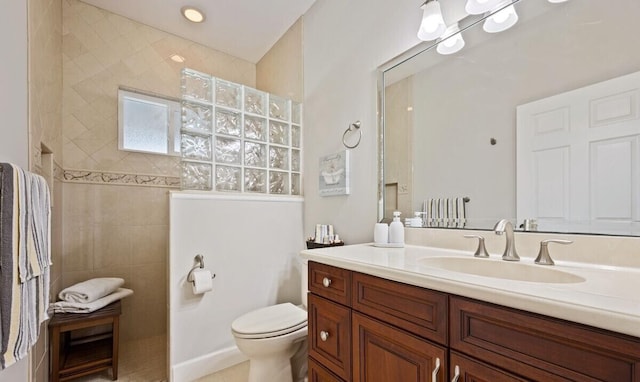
(609, 298)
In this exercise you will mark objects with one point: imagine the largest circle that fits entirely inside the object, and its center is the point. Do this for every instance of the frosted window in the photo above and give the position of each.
(148, 123)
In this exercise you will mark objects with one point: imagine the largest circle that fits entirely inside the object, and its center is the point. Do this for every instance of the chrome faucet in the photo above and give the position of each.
(505, 226)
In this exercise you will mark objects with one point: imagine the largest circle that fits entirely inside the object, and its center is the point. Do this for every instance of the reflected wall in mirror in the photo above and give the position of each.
(450, 124)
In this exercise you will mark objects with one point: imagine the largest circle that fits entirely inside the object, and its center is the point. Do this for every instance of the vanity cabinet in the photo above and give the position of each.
(541, 348)
(365, 328)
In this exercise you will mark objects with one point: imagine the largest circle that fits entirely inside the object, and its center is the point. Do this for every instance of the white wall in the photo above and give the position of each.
(251, 243)
(13, 83)
(344, 43)
(13, 109)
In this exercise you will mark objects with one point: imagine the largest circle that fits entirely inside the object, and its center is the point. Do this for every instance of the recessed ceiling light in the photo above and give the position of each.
(192, 14)
(177, 58)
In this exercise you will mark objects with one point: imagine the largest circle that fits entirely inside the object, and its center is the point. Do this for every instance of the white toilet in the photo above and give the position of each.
(274, 340)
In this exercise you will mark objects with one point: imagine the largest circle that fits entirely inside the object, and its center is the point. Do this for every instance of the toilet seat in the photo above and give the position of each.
(272, 321)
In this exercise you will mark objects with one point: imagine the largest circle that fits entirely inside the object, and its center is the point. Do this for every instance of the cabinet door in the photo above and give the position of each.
(382, 353)
(468, 370)
(317, 373)
(329, 335)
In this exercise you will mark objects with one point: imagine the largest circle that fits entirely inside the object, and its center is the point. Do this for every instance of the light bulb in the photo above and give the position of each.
(432, 25)
(192, 14)
(478, 7)
(452, 41)
(501, 20)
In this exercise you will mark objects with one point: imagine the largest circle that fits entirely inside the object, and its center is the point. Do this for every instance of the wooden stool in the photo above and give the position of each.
(72, 358)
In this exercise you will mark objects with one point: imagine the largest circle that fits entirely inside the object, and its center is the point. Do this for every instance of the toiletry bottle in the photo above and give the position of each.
(396, 230)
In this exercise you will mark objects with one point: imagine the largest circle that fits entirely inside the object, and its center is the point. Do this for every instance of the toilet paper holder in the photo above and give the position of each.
(199, 265)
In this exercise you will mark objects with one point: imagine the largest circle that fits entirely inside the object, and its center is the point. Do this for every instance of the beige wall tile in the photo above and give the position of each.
(112, 246)
(121, 231)
(103, 51)
(77, 246)
(149, 300)
(280, 70)
(150, 244)
(45, 128)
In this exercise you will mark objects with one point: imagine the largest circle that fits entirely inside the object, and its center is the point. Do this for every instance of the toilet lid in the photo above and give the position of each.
(270, 321)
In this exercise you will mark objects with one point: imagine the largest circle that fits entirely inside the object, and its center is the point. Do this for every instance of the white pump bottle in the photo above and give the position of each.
(396, 230)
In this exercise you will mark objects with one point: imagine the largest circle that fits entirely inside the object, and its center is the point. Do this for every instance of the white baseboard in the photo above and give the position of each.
(207, 364)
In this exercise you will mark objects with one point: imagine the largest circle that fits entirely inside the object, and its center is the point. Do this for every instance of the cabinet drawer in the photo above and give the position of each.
(417, 310)
(382, 353)
(330, 335)
(473, 371)
(330, 282)
(541, 348)
(317, 373)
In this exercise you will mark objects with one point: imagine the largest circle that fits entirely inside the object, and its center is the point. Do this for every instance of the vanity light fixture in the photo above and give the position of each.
(558, 1)
(478, 7)
(452, 40)
(502, 20)
(432, 25)
(192, 14)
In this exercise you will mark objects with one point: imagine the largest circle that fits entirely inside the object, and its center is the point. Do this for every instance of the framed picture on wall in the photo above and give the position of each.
(334, 174)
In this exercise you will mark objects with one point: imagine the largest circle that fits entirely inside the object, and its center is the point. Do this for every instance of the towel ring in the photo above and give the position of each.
(354, 126)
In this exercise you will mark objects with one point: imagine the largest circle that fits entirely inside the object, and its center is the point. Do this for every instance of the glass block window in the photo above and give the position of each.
(239, 139)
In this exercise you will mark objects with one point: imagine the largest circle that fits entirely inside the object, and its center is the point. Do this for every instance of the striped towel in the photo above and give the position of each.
(24, 261)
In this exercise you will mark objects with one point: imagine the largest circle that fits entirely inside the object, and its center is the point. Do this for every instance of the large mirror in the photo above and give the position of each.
(538, 122)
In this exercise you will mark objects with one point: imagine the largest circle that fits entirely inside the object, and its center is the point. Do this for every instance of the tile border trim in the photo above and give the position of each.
(119, 178)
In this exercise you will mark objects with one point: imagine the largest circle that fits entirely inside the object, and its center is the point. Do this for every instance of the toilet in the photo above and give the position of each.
(274, 339)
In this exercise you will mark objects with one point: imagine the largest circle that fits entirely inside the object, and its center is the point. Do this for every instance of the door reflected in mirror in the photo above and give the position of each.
(450, 124)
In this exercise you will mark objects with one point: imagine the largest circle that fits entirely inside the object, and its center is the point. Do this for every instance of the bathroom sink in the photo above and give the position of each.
(501, 269)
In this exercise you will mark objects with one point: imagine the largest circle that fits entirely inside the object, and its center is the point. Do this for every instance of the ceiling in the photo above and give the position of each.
(242, 28)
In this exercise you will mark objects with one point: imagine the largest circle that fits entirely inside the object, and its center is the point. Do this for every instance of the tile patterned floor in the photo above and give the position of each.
(145, 360)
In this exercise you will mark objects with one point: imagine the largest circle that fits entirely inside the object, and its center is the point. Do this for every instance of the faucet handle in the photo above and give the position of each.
(543, 255)
(482, 250)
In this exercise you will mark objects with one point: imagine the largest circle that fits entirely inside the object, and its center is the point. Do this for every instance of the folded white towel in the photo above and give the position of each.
(78, 307)
(91, 290)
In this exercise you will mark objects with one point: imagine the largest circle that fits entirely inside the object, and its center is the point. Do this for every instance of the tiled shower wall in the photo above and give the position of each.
(121, 230)
(45, 132)
(280, 70)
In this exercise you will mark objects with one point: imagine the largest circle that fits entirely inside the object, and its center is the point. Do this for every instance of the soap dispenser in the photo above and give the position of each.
(396, 230)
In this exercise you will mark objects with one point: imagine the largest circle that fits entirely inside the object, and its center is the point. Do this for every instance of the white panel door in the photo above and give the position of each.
(578, 158)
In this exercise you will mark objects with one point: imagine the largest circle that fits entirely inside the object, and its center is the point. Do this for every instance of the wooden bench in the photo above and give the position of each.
(76, 357)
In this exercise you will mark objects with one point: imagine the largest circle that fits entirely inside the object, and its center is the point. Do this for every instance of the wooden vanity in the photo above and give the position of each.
(368, 328)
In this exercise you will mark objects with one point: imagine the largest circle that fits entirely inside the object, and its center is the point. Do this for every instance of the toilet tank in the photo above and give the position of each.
(304, 281)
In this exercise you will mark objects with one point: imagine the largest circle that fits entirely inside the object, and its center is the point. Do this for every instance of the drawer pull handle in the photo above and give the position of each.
(457, 374)
(326, 282)
(324, 336)
(434, 375)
